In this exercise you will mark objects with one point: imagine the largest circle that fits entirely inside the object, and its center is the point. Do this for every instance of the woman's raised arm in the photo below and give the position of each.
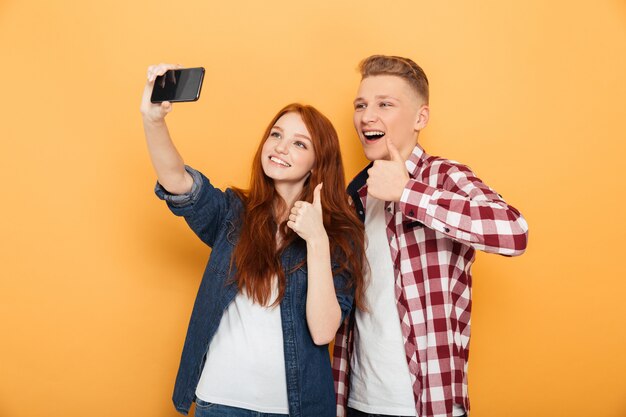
(167, 162)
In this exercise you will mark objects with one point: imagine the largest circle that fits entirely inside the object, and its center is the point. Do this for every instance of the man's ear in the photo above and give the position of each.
(423, 114)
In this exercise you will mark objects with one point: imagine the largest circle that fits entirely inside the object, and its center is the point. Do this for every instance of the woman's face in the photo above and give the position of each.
(287, 156)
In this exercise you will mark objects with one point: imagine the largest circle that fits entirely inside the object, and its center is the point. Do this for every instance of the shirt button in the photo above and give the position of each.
(411, 213)
(446, 229)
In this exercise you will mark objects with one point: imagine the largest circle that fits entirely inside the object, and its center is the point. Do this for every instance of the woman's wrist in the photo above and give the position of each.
(318, 242)
(153, 121)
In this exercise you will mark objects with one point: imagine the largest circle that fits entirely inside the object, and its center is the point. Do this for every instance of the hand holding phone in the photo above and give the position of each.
(178, 85)
(155, 112)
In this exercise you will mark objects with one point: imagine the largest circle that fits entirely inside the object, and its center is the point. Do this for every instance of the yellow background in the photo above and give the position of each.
(98, 278)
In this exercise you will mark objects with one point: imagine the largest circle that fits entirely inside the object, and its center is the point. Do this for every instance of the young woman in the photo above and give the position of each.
(285, 268)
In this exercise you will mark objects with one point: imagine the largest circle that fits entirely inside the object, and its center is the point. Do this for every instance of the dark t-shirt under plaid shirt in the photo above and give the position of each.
(444, 215)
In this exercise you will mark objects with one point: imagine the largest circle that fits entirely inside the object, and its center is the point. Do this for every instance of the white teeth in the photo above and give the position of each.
(279, 161)
(373, 133)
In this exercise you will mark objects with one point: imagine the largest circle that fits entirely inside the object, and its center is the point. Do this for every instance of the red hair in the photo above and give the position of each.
(257, 256)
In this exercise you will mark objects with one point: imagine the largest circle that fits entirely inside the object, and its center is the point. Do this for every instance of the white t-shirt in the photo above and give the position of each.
(380, 381)
(245, 365)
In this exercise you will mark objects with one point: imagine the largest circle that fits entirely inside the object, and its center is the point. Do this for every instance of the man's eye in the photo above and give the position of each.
(385, 104)
(359, 106)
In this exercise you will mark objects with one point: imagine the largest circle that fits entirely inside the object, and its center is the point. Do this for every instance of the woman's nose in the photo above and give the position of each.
(281, 147)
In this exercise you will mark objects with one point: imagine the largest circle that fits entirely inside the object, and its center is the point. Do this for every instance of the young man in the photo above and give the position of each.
(424, 218)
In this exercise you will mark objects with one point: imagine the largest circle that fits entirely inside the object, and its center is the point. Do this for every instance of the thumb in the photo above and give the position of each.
(317, 198)
(166, 106)
(394, 153)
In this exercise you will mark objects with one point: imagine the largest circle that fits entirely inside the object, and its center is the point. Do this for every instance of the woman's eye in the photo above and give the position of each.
(275, 135)
(300, 144)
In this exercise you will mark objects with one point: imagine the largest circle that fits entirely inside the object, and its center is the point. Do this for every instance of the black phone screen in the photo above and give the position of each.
(178, 85)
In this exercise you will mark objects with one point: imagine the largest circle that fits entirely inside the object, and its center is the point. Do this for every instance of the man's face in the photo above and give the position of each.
(386, 107)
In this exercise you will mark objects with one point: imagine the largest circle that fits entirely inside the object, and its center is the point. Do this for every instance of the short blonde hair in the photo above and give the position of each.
(399, 67)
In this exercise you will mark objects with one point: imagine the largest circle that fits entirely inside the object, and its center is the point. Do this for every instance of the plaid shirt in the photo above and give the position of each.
(444, 215)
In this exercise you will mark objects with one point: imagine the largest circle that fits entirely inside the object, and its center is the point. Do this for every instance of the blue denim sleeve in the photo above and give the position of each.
(181, 200)
(345, 296)
(204, 207)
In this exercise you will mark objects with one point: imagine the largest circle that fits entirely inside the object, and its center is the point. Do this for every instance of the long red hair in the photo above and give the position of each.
(257, 255)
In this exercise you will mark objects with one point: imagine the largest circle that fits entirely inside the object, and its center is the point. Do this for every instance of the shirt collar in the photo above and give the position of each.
(416, 160)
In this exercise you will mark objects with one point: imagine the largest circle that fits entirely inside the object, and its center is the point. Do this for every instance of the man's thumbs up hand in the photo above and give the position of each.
(387, 178)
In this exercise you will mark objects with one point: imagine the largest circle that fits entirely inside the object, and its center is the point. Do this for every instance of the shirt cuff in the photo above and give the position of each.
(182, 200)
(415, 199)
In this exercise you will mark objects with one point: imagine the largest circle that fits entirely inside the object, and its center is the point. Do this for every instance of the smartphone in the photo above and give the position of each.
(178, 85)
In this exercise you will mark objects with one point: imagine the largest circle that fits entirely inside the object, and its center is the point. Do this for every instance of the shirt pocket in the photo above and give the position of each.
(409, 226)
(232, 232)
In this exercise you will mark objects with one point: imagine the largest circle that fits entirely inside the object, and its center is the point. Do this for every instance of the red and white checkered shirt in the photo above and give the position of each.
(444, 215)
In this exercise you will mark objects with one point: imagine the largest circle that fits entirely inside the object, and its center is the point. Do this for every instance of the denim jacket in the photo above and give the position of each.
(215, 216)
